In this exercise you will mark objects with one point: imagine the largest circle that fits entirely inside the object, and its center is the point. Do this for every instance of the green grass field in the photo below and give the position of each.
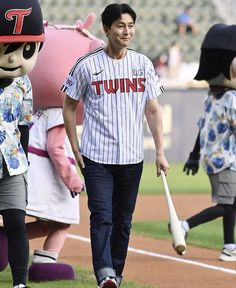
(85, 279)
(208, 235)
(177, 180)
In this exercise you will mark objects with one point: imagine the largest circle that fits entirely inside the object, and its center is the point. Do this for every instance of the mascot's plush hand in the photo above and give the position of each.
(192, 164)
(55, 148)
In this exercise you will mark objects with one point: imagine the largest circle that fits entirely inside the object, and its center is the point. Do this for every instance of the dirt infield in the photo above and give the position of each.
(153, 262)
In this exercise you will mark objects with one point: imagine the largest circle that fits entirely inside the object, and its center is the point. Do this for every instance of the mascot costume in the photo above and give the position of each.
(54, 183)
(21, 37)
(216, 141)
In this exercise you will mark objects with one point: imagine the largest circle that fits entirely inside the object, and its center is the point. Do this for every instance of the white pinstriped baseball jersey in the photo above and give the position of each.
(114, 93)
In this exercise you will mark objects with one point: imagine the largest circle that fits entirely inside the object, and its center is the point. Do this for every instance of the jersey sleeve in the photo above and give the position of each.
(153, 83)
(75, 84)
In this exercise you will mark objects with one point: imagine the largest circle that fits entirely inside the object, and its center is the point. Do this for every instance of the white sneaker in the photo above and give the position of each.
(19, 286)
(228, 255)
(108, 282)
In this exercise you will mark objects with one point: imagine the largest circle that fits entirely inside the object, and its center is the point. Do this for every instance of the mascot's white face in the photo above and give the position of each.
(233, 70)
(17, 59)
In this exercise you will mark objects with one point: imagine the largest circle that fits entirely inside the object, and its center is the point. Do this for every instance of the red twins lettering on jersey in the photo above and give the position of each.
(18, 15)
(120, 85)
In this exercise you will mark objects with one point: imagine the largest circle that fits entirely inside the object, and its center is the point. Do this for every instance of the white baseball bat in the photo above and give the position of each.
(179, 243)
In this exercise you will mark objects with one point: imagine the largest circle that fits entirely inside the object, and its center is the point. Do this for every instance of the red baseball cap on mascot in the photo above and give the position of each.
(21, 21)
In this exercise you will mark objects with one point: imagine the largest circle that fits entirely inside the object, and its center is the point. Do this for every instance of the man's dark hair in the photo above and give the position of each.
(113, 12)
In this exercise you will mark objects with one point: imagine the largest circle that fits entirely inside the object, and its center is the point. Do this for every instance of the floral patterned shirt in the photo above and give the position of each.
(218, 133)
(15, 109)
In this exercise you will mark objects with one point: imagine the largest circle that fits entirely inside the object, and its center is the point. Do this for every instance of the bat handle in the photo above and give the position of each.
(163, 176)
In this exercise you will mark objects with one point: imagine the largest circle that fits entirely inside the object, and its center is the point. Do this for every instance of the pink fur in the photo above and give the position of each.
(56, 239)
(72, 41)
(55, 147)
(88, 22)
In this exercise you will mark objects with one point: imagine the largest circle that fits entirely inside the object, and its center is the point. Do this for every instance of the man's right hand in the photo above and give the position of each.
(192, 164)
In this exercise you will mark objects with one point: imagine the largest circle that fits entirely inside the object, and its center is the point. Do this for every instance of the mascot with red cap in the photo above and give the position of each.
(216, 141)
(54, 183)
(21, 37)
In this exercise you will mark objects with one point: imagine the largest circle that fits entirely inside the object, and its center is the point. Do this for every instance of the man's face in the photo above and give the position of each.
(17, 59)
(121, 32)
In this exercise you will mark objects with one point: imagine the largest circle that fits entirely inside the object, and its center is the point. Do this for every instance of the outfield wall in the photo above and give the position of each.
(181, 110)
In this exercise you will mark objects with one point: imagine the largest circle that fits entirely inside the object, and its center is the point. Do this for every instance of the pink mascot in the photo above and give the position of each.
(54, 183)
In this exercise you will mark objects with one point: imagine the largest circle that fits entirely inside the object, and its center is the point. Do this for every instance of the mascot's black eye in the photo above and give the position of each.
(29, 50)
(12, 47)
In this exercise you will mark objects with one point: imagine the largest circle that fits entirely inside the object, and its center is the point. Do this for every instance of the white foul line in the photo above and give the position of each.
(157, 255)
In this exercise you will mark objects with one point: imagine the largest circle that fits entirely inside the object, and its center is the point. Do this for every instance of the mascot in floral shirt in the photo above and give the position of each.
(216, 142)
(21, 37)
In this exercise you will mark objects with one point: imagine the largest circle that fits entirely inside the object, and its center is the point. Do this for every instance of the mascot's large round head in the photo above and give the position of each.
(21, 35)
(217, 60)
(64, 45)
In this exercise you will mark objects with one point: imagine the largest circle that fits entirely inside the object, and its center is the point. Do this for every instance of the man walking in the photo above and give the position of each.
(118, 87)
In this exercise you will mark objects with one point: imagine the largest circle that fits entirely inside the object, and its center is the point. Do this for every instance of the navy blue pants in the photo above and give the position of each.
(112, 192)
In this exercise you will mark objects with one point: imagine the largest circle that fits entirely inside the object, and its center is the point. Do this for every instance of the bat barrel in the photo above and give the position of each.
(179, 243)
(180, 249)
